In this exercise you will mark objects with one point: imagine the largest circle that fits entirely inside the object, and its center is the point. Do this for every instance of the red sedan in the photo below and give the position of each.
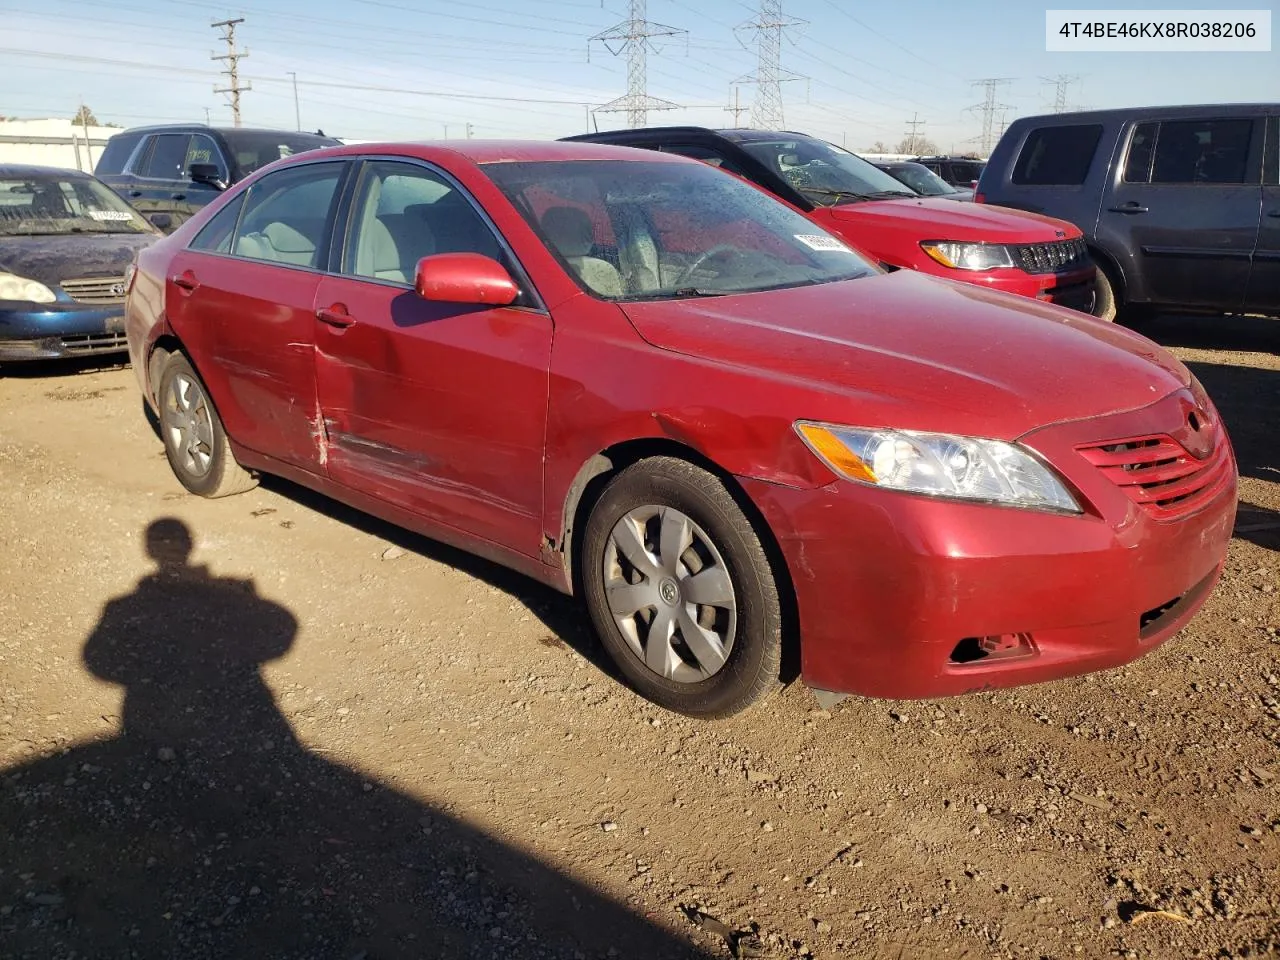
(740, 453)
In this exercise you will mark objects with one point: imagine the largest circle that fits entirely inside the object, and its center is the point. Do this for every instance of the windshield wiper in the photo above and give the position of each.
(880, 194)
(680, 294)
(836, 193)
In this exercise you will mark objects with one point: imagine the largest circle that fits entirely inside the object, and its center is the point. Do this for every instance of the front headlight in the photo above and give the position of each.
(20, 288)
(969, 256)
(990, 471)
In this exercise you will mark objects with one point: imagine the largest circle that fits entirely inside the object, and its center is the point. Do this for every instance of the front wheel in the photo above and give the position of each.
(680, 590)
(194, 441)
(1104, 297)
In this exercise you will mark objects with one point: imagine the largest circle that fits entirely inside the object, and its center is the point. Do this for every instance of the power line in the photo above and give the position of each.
(1062, 83)
(914, 139)
(769, 26)
(232, 59)
(632, 36)
(989, 108)
(736, 108)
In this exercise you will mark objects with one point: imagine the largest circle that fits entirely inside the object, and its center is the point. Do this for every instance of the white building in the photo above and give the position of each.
(53, 143)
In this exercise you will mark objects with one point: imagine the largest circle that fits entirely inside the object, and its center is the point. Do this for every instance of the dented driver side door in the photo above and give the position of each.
(437, 408)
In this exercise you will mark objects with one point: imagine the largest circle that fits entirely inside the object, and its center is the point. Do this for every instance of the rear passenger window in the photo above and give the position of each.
(1057, 156)
(1202, 151)
(286, 214)
(116, 154)
(217, 234)
(1142, 148)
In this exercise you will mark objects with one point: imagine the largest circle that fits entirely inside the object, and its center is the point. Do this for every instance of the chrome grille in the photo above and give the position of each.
(1051, 257)
(95, 289)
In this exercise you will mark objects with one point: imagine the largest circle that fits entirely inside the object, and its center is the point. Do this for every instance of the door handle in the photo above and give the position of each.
(186, 280)
(178, 196)
(1274, 213)
(1131, 207)
(135, 193)
(336, 316)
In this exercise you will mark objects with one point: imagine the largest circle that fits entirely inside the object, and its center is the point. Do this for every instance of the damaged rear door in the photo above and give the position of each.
(438, 408)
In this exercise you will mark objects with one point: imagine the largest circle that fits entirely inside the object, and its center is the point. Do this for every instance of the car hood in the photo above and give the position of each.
(50, 260)
(916, 352)
(935, 218)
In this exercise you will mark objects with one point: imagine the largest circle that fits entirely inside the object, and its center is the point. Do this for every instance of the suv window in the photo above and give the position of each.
(1142, 148)
(406, 212)
(117, 153)
(965, 171)
(286, 213)
(165, 161)
(202, 149)
(1057, 155)
(1202, 151)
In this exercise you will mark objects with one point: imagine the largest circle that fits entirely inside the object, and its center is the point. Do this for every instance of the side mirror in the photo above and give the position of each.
(464, 278)
(161, 221)
(206, 173)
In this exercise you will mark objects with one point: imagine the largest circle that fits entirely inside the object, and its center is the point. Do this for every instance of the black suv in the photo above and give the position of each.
(1180, 205)
(960, 172)
(170, 172)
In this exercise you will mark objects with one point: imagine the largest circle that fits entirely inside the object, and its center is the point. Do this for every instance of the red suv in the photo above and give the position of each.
(728, 432)
(1009, 250)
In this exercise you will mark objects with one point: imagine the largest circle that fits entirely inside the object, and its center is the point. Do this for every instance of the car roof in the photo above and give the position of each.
(203, 127)
(31, 170)
(499, 151)
(1125, 113)
(944, 156)
(735, 134)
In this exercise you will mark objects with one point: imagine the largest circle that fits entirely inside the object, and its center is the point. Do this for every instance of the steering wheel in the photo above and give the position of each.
(702, 258)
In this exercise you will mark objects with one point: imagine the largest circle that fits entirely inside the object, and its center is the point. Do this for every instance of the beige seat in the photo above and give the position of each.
(568, 230)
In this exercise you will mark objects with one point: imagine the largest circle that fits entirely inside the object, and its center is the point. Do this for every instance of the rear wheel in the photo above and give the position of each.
(680, 590)
(194, 441)
(1104, 297)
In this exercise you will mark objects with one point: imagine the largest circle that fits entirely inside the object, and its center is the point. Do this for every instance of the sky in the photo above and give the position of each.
(425, 69)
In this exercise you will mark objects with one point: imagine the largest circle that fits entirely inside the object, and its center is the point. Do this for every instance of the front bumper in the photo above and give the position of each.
(1074, 289)
(60, 329)
(899, 595)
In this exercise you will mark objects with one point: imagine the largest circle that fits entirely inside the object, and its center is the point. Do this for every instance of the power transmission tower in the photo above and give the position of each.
(233, 89)
(914, 138)
(633, 36)
(1062, 83)
(736, 108)
(989, 108)
(769, 26)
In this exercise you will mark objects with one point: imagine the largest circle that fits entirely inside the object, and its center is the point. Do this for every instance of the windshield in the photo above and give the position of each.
(824, 173)
(256, 148)
(45, 205)
(921, 179)
(635, 230)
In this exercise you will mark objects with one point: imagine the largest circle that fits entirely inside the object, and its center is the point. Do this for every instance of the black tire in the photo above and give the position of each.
(217, 476)
(750, 671)
(1104, 297)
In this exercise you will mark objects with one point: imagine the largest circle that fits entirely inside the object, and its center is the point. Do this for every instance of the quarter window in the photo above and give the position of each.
(1057, 156)
(286, 215)
(217, 235)
(1202, 151)
(406, 212)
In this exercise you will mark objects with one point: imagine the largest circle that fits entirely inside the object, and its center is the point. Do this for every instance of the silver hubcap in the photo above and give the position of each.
(188, 425)
(670, 593)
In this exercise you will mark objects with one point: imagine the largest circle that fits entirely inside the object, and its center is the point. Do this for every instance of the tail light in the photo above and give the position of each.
(979, 198)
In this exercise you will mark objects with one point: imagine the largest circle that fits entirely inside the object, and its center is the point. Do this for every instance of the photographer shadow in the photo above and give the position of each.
(206, 829)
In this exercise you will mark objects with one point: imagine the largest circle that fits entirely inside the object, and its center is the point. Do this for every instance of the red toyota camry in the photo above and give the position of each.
(650, 384)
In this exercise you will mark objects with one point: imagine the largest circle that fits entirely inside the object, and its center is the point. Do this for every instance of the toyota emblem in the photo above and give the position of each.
(117, 289)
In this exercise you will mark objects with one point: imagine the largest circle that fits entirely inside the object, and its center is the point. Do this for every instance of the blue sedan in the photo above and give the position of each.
(66, 243)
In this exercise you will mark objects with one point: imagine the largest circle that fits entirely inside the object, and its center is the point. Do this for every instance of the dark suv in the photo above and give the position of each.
(170, 172)
(1180, 205)
(960, 172)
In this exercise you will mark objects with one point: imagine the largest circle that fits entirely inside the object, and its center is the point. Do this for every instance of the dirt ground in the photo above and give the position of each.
(319, 736)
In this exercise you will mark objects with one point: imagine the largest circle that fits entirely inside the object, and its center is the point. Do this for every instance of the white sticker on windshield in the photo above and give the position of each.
(110, 215)
(816, 241)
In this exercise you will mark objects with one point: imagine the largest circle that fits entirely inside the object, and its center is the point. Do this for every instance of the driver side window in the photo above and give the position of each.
(404, 212)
